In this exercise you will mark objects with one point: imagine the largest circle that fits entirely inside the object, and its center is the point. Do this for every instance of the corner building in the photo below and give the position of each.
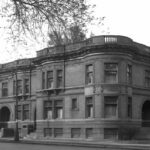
(94, 90)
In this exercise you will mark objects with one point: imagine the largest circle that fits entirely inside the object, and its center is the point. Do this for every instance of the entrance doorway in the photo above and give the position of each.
(146, 114)
(4, 117)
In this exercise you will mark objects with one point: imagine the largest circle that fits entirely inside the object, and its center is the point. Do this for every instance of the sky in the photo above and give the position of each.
(125, 17)
(129, 18)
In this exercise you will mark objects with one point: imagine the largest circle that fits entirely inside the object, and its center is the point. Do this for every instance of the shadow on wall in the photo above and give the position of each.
(128, 133)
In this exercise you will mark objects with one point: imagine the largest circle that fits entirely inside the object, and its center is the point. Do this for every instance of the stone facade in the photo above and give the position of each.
(92, 90)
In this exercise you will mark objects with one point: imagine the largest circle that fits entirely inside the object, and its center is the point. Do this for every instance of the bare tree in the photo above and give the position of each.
(38, 17)
(73, 35)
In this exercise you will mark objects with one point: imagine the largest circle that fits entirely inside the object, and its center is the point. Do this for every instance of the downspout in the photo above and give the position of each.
(64, 67)
(30, 88)
(16, 134)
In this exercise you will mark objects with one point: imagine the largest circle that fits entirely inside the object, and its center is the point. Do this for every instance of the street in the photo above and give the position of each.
(19, 146)
(30, 146)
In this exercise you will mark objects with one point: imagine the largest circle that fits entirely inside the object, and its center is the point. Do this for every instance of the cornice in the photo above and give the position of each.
(17, 68)
(109, 49)
(136, 53)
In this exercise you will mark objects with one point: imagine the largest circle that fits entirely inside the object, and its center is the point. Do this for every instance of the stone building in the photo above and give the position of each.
(94, 90)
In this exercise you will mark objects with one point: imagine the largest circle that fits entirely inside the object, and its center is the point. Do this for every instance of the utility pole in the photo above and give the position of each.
(16, 138)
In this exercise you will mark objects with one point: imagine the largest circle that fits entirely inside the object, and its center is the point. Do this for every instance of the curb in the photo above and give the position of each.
(119, 146)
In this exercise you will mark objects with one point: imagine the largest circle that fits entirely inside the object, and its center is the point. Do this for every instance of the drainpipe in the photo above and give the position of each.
(30, 88)
(64, 66)
(16, 137)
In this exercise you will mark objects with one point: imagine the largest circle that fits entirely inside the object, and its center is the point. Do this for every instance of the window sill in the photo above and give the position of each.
(26, 94)
(89, 118)
(50, 89)
(55, 119)
(88, 85)
(111, 118)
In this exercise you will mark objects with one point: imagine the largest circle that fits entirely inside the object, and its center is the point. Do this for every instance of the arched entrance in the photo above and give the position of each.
(4, 117)
(146, 114)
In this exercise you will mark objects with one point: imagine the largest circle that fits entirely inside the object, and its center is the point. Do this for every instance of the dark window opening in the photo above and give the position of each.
(147, 78)
(26, 86)
(25, 111)
(74, 104)
(43, 80)
(58, 132)
(111, 72)
(53, 109)
(89, 107)
(89, 74)
(75, 132)
(110, 106)
(89, 132)
(50, 82)
(47, 132)
(59, 78)
(4, 89)
(129, 107)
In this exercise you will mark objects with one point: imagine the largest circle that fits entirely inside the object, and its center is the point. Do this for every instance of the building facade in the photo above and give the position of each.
(94, 90)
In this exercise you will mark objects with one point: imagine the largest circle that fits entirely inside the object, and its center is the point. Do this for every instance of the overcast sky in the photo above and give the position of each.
(123, 17)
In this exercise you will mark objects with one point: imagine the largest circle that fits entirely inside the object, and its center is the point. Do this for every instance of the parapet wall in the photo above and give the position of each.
(98, 40)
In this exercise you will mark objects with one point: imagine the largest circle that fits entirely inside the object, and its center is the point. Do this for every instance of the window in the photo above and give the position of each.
(89, 74)
(129, 107)
(75, 132)
(25, 111)
(59, 78)
(26, 86)
(58, 132)
(43, 80)
(74, 104)
(111, 133)
(129, 74)
(19, 87)
(89, 107)
(147, 78)
(50, 81)
(14, 87)
(58, 109)
(19, 112)
(89, 132)
(111, 72)
(48, 110)
(53, 109)
(110, 103)
(47, 132)
(4, 89)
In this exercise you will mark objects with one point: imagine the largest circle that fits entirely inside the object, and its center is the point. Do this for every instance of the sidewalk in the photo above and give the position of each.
(102, 144)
